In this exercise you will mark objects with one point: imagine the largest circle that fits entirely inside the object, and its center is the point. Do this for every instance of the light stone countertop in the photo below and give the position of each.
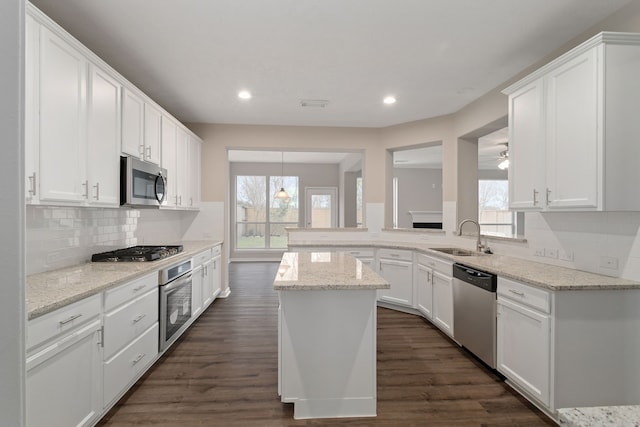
(538, 274)
(598, 416)
(51, 290)
(318, 271)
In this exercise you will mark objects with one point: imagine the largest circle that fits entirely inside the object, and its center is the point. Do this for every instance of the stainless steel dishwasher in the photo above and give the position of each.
(474, 312)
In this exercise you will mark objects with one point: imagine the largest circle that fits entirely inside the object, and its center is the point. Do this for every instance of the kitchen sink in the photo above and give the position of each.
(456, 251)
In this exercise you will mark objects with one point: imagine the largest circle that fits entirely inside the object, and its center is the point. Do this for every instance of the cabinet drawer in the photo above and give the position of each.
(359, 252)
(50, 325)
(129, 291)
(216, 250)
(398, 254)
(127, 365)
(201, 258)
(129, 321)
(444, 267)
(525, 294)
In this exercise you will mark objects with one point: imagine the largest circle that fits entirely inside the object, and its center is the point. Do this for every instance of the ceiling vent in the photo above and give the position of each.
(318, 103)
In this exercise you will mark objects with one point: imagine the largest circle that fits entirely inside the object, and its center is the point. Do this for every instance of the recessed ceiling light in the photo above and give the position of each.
(389, 100)
(244, 94)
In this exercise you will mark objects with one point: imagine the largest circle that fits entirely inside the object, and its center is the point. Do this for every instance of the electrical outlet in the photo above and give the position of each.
(551, 253)
(538, 252)
(565, 255)
(609, 262)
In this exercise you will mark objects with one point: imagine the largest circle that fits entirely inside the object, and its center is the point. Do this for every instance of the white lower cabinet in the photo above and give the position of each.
(196, 291)
(365, 255)
(127, 365)
(216, 273)
(424, 288)
(443, 302)
(64, 366)
(130, 334)
(524, 339)
(396, 266)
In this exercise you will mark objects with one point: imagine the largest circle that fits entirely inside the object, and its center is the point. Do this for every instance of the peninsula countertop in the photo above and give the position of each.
(51, 290)
(325, 271)
(538, 274)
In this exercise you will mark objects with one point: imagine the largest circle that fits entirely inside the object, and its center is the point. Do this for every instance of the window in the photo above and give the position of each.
(359, 202)
(260, 217)
(494, 215)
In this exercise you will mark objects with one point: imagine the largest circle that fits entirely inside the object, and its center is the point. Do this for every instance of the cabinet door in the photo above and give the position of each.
(527, 148)
(443, 302)
(182, 157)
(399, 275)
(63, 99)
(169, 159)
(104, 135)
(132, 123)
(523, 345)
(152, 133)
(573, 134)
(194, 172)
(425, 290)
(64, 381)
(32, 105)
(196, 291)
(207, 284)
(216, 276)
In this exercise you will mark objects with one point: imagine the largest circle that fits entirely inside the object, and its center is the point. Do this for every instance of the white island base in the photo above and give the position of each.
(327, 339)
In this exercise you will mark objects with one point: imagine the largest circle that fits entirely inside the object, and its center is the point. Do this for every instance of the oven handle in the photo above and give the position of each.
(170, 287)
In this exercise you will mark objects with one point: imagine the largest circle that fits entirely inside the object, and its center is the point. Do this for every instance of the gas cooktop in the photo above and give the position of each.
(137, 254)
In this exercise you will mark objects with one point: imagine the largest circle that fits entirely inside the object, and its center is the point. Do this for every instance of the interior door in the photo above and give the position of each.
(321, 207)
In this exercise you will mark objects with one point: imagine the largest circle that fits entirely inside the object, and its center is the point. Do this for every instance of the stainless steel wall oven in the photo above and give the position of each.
(175, 302)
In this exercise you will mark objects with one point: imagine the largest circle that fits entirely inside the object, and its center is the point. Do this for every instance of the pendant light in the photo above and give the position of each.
(282, 194)
(504, 158)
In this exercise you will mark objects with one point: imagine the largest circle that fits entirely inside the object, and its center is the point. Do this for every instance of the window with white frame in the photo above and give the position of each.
(494, 215)
(261, 218)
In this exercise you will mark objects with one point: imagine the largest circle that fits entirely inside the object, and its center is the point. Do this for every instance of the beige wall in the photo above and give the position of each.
(456, 132)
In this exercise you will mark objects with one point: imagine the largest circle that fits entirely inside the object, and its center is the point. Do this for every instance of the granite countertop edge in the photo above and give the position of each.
(540, 275)
(51, 290)
(619, 416)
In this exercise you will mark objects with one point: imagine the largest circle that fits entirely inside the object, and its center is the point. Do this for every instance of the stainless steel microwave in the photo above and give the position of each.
(141, 183)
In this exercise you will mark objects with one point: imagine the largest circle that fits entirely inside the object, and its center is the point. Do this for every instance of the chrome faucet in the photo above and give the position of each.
(479, 245)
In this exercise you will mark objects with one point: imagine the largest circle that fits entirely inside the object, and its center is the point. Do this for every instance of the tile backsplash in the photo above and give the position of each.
(58, 237)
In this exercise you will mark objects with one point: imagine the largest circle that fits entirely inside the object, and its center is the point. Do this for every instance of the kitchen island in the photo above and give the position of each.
(327, 334)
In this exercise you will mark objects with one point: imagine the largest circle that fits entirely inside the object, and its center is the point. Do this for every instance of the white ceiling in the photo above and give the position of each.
(435, 56)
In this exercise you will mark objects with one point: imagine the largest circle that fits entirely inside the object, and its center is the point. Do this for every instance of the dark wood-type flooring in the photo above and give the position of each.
(223, 372)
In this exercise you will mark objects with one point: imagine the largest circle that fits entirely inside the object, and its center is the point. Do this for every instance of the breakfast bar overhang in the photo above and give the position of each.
(327, 334)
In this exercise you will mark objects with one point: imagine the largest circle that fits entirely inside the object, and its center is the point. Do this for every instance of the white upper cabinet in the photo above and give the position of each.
(169, 159)
(63, 100)
(103, 142)
(573, 143)
(572, 131)
(194, 172)
(152, 133)
(132, 123)
(32, 106)
(527, 155)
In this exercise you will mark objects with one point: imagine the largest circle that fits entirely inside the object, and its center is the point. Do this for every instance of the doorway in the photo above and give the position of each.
(321, 207)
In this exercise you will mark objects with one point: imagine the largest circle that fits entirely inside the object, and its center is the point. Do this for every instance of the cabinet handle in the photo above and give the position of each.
(176, 201)
(513, 291)
(548, 194)
(180, 202)
(97, 187)
(139, 358)
(85, 184)
(141, 150)
(139, 318)
(70, 319)
(190, 201)
(139, 288)
(32, 182)
(148, 152)
(535, 197)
